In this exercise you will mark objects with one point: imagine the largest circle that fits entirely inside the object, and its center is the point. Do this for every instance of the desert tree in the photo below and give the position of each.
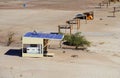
(76, 40)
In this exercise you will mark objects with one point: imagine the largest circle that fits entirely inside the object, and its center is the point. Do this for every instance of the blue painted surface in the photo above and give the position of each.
(44, 35)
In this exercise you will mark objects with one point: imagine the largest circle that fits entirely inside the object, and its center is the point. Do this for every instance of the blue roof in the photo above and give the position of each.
(44, 35)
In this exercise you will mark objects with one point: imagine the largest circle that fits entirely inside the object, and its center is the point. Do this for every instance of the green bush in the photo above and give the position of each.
(76, 40)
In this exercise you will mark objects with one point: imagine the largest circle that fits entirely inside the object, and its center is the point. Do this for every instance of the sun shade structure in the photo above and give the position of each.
(34, 44)
(80, 16)
(44, 35)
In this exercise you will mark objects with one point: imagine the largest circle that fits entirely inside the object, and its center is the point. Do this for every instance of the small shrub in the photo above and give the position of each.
(10, 38)
(21, 75)
(74, 56)
(64, 51)
(102, 43)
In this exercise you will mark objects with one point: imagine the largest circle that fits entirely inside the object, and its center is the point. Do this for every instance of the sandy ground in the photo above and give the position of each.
(87, 65)
(49, 4)
(101, 61)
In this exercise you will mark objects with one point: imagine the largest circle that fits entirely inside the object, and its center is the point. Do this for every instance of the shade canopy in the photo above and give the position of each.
(53, 36)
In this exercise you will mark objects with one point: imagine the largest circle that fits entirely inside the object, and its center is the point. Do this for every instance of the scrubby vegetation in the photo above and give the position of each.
(10, 38)
(76, 40)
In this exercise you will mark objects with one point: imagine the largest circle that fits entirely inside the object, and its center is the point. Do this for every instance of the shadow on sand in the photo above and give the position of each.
(14, 52)
(111, 16)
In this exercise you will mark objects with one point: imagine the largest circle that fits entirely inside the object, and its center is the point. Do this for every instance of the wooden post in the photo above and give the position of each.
(60, 44)
(59, 29)
(107, 5)
(86, 19)
(71, 25)
(100, 5)
(114, 8)
(109, 2)
(114, 1)
(22, 49)
(78, 23)
(103, 3)
(93, 14)
(70, 30)
(65, 29)
(45, 44)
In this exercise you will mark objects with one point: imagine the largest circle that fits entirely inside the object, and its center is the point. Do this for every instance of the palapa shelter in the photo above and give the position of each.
(34, 44)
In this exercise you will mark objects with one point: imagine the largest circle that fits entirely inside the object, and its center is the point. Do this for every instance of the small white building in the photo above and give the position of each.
(35, 44)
